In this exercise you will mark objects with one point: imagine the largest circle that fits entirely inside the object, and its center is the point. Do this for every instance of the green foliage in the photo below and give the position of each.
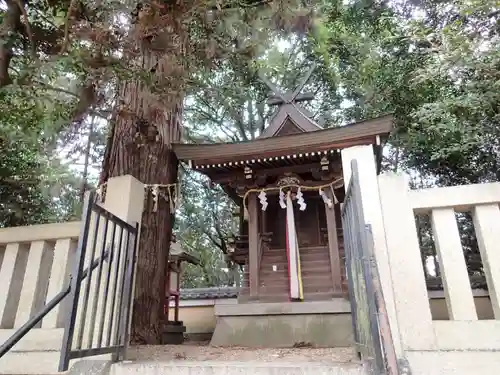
(204, 224)
(438, 74)
(435, 65)
(33, 188)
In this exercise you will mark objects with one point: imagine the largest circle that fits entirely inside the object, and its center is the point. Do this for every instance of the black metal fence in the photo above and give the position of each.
(99, 294)
(101, 286)
(370, 322)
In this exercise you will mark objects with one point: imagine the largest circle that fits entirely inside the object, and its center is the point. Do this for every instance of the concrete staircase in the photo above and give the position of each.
(185, 360)
(236, 368)
(208, 360)
(316, 274)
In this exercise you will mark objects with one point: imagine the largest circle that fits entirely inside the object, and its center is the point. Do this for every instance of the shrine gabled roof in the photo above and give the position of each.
(365, 132)
(300, 117)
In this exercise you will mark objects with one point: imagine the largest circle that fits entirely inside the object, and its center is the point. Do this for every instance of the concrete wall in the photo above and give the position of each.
(199, 315)
(278, 325)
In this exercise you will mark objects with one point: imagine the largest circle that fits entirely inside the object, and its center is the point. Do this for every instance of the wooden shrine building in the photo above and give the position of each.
(289, 186)
(294, 162)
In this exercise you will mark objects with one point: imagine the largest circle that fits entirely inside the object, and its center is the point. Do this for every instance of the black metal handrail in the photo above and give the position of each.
(33, 321)
(37, 318)
(84, 333)
(118, 245)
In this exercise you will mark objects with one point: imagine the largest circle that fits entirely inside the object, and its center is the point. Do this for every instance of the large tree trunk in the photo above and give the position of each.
(140, 145)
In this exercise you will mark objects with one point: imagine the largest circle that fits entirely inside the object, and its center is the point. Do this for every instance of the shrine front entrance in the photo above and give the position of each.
(289, 253)
(310, 223)
(320, 266)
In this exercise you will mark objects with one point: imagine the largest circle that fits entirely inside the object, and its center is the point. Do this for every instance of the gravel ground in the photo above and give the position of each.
(190, 352)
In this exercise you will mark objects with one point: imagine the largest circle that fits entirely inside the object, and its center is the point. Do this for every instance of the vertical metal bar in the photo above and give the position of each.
(95, 302)
(354, 259)
(106, 286)
(118, 327)
(362, 312)
(388, 348)
(75, 282)
(367, 277)
(347, 229)
(372, 308)
(87, 285)
(113, 293)
(129, 305)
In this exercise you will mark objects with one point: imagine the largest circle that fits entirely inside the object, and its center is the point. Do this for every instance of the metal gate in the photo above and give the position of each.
(371, 326)
(100, 293)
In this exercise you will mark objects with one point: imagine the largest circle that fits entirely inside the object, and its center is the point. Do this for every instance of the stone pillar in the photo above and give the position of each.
(373, 215)
(7, 272)
(409, 291)
(125, 199)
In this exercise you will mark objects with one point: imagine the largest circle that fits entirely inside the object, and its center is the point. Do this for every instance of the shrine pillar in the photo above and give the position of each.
(372, 209)
(333, 244)
(253, 245)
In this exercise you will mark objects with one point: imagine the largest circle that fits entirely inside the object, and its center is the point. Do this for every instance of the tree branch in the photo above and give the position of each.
(71, 8)
(10, 24)
(28, 28)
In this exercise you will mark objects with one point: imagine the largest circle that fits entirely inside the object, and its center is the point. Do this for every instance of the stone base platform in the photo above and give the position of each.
(173, 333)
(284, 325)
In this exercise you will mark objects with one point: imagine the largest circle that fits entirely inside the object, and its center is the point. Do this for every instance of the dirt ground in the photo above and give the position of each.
(203, 352)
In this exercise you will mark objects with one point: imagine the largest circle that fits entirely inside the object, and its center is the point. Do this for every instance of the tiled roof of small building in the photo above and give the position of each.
(209, 293)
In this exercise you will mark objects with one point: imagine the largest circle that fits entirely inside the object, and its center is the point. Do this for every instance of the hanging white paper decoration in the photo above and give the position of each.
(263, 200)
(155, 192)
(99, 193)
(327, 200)
(335, 200)
(282, 199)
(300, 200)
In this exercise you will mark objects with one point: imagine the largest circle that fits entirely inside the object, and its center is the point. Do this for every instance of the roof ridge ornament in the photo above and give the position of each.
(280, 98)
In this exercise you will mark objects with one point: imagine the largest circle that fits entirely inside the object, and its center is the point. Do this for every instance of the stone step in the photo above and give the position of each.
(305, 265)
(304, 261)
(306, 269)
(273, 259)
(283, 296)
(306, 276)
(302, 250)
(188, 353)
(318, 268)
(283, 289)
(46, 363)
(306, 283)
(240, 368)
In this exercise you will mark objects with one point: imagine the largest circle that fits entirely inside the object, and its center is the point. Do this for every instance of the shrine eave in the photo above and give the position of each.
(201, 156)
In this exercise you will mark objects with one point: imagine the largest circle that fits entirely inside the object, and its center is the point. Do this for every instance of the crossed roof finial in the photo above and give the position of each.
(280, 98)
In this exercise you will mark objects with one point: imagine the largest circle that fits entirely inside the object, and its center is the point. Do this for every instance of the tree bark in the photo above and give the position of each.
(145, 152)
